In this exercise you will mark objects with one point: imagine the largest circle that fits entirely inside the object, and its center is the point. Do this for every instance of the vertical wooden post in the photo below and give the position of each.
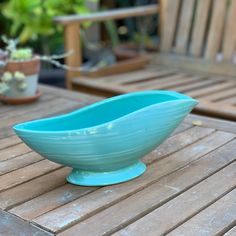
(72, 43)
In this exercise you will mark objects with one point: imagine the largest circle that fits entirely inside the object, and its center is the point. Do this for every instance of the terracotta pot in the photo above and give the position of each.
(28, 67)
(20, 101)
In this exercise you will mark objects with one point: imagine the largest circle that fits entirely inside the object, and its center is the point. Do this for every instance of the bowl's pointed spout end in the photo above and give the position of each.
(90, 178)
(193, 103)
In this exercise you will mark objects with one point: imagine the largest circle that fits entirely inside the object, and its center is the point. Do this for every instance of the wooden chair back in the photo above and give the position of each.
(203, 30)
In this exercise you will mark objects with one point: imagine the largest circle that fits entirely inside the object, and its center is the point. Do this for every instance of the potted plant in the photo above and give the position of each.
(18, 82)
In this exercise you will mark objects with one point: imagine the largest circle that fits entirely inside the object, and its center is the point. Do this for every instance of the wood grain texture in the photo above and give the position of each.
(215, 29)
(109, 15)
(27, 173)
(50, 201)
(10, 141)
(196, 65)
(33, 188)
(199, 27)
(185, 21)
(169, 14)
(101, 199)
(72, 44)
(185, 205)
(12, 152)
(211, 89)
(231, 232)
(222, 214)
(52, 108)
(11, 225)
(19, 162)
(206, 121)
(126, 211)
(229, 40)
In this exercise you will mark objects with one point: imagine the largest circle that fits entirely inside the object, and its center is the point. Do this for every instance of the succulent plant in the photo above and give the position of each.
(20, 77)
(21, 54)
(7, 79)
(3, 88)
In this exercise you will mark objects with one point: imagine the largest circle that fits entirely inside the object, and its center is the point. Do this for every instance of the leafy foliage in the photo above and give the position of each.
(31, 18)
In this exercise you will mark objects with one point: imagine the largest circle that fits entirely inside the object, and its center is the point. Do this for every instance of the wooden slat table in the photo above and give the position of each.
(188, 188)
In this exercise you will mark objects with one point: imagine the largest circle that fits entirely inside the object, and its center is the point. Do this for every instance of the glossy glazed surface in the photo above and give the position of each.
(108, 136)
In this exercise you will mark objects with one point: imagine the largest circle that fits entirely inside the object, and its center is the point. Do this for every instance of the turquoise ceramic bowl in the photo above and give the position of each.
(104, 142)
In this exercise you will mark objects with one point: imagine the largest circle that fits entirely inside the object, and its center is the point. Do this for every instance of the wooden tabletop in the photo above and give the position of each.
(188, 188)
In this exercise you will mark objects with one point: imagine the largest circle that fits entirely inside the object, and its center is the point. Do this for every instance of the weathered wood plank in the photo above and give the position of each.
(186, 15)
(214, 220)
(52, 109)
(72, 44)
(231, 232)
(103, 198)
(220, 94)
(33, 188)
(39, 109)
(215, 29)
(125, 212)
(12, 152)
(10, 141)
(230, 100)
(211, 89)
(196, 86)
(196, 65)
(212, 108)
(17, 110)
(169, 14)
(11, 225)
(51, 200)
(169, 81)
(229, 39)
(185, 205)
(199, 27)
(177, 142)
(82, 98)
(182, 128)
(138, 76)
(27, 173)
(219, 124)
(19, 162)
(109, 15)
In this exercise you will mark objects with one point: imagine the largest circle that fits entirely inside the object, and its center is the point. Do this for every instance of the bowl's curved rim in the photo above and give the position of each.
(181, 98)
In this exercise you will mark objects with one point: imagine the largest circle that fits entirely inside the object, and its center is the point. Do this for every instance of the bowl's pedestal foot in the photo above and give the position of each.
(89, 178)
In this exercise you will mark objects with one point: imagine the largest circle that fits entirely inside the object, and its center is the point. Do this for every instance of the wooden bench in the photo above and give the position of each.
(196, 54)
